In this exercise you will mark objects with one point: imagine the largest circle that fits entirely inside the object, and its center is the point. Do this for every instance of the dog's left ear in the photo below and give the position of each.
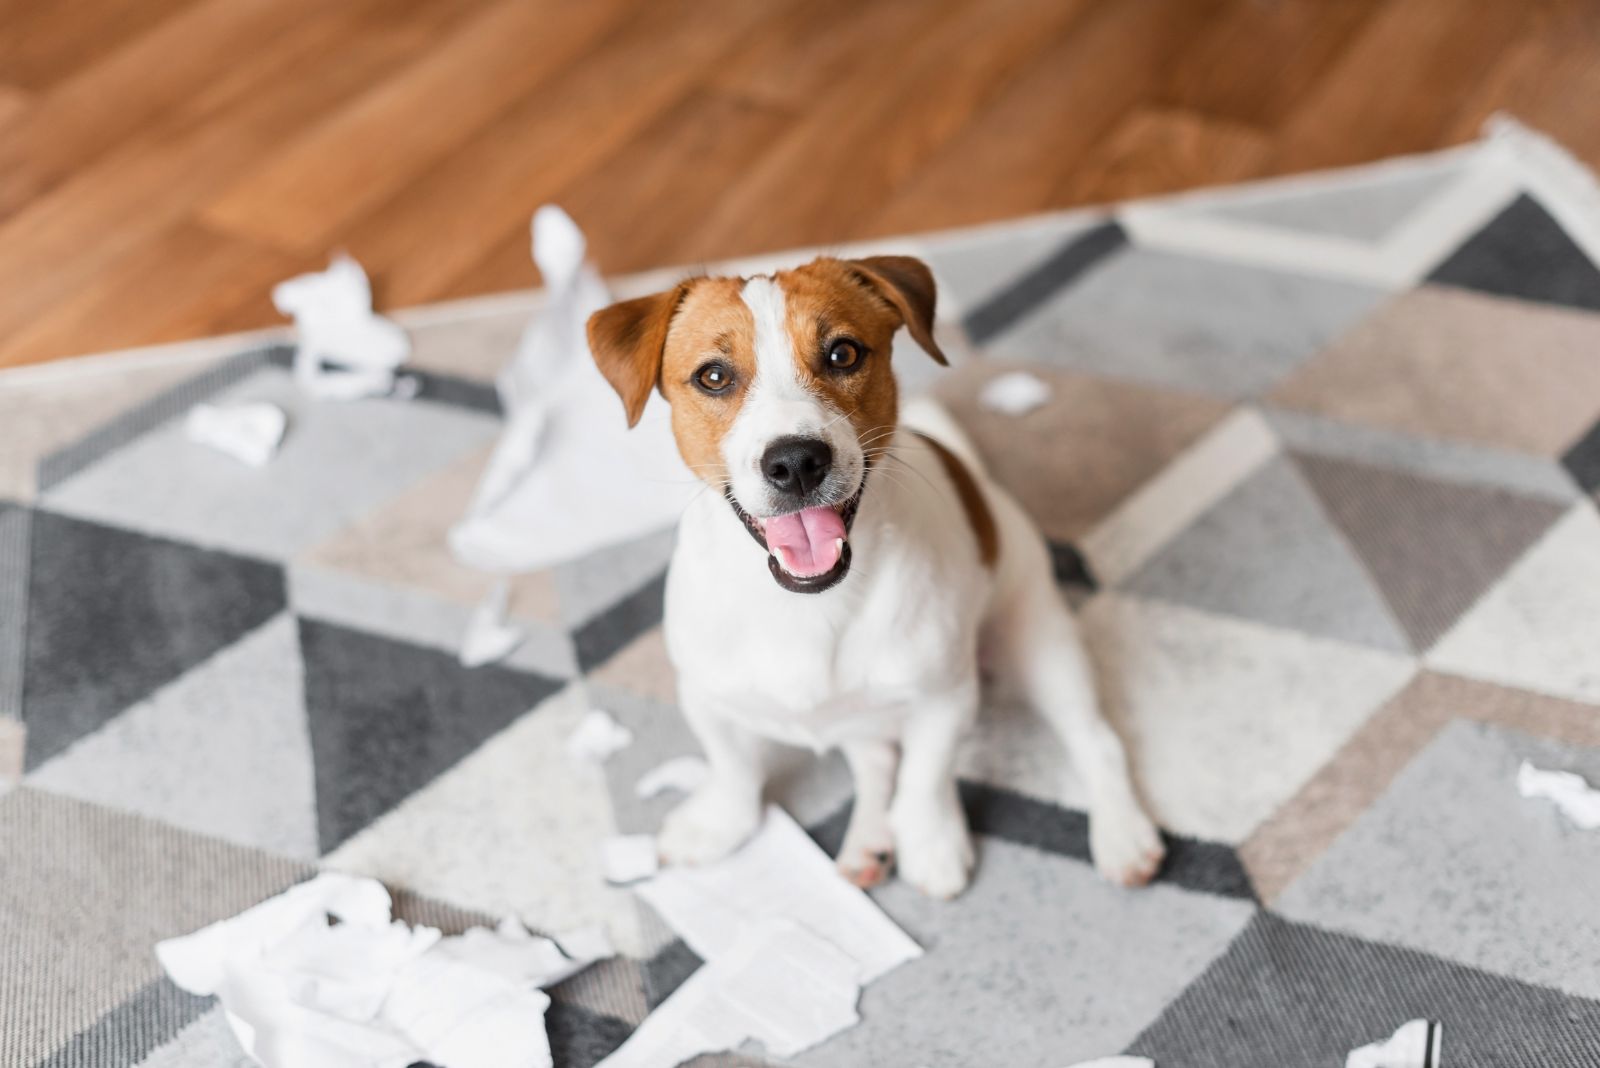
(906, 283)
(627, 340)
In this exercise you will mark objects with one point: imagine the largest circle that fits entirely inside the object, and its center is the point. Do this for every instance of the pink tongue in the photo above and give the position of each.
(806, 543)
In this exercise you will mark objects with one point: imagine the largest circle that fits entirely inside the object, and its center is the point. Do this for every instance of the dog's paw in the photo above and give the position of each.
(704, 829)
(935, 856)
(1125, 845)
(866, 864)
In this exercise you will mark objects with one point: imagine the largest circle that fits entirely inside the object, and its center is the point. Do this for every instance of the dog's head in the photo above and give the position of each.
(781, 391)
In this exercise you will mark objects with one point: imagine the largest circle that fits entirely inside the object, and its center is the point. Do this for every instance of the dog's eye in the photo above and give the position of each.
(843, 354)
(713, 378)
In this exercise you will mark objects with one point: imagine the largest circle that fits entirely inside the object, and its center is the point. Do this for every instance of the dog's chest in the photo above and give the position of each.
(814, 671)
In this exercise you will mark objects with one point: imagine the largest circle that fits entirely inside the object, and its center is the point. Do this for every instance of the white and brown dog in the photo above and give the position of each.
(836, 587)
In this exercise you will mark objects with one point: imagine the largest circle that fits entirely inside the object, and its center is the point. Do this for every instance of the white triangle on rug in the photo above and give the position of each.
(1539, 626)
(514, 828)
(222, 750)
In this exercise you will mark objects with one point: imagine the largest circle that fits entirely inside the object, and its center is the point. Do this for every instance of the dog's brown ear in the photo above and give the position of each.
(905, 282)
(627, 340)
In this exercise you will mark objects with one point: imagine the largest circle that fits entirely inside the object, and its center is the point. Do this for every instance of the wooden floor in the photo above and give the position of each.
(163, 162)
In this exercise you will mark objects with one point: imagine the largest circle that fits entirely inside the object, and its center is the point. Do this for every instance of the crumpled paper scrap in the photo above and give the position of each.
(1417, 1044)
(1572, 794)
(488, 637)
(1014, 393)
(343, 351)
(568, 476)
(596, 738)
(299, 991)
(250, 432)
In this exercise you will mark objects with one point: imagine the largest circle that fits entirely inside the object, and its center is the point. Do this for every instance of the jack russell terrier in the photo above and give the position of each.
(836, 586)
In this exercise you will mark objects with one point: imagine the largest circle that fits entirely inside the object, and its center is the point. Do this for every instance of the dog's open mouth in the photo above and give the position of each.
(807, 551)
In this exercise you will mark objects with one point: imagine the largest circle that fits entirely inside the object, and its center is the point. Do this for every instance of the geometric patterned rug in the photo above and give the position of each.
(1320, 469)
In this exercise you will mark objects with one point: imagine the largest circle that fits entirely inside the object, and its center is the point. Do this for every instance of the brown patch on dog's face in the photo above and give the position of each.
(831, 311)
(712, 328)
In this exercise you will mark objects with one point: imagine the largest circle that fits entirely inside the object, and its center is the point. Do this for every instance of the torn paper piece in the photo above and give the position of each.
(1014, 393)
(1576, 799)
(596, 738)
(778, 984)
(301, 992)
(488, 638)
(1117, 1062)
(682, 774)
(779, 874)
(628, 858)
(1417, 1044)
(343, 351)
(250, 433)
(568, 476)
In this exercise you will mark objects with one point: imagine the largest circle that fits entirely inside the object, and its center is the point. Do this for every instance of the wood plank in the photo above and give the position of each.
(360, 155)
(1549, 79)
(1255, 61)
(1159, 150)
(96, 111)
(851, 150)
(1017, 154)
(46, 42)
(87, 224)
(688, 159)
(457, 212)
(165, 289)
(1400, 83)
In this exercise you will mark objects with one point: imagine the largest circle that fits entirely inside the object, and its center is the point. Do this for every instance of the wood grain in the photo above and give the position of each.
(162, 162)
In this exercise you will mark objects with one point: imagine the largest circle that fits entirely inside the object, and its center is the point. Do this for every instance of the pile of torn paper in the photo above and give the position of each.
(321, 976)
(568, 476)
(788, 945)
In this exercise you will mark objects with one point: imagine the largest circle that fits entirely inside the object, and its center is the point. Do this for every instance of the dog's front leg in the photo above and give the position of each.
(726, 808)
(868, 850)
(930, 829)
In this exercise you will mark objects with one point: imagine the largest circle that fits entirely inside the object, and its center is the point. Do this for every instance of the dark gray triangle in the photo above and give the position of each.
(151, 1018)
(1267, 552)
(1524, 253)
(1582, 460)
(1285, 994)
(1032, 290)
(386, 718)
(1432, 547)
(580, 1038)
(113, 615)
(608, 633)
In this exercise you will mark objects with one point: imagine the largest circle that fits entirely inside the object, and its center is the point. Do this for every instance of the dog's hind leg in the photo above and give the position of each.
(867, 855)
(1035, 642)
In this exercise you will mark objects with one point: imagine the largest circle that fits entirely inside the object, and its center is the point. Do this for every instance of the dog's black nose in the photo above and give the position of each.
(796, 465)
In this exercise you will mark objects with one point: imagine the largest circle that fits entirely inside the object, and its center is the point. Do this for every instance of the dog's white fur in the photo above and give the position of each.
(885, 666)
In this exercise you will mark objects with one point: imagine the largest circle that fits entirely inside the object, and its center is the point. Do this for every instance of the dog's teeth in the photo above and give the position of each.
(838, 543)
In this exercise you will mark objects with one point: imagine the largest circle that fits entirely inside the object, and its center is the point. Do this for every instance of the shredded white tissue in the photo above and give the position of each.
(683, 774)
(301, 992)
(1118, 1062)
(596, 738)
(568, 476)
(778, 984)
(343, 350)
(1417, 1044)
(779, 874)
(488, 638)
(628, 858)
(250, 433)
(788, 945)
(1014, 393)
(1576, 799)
